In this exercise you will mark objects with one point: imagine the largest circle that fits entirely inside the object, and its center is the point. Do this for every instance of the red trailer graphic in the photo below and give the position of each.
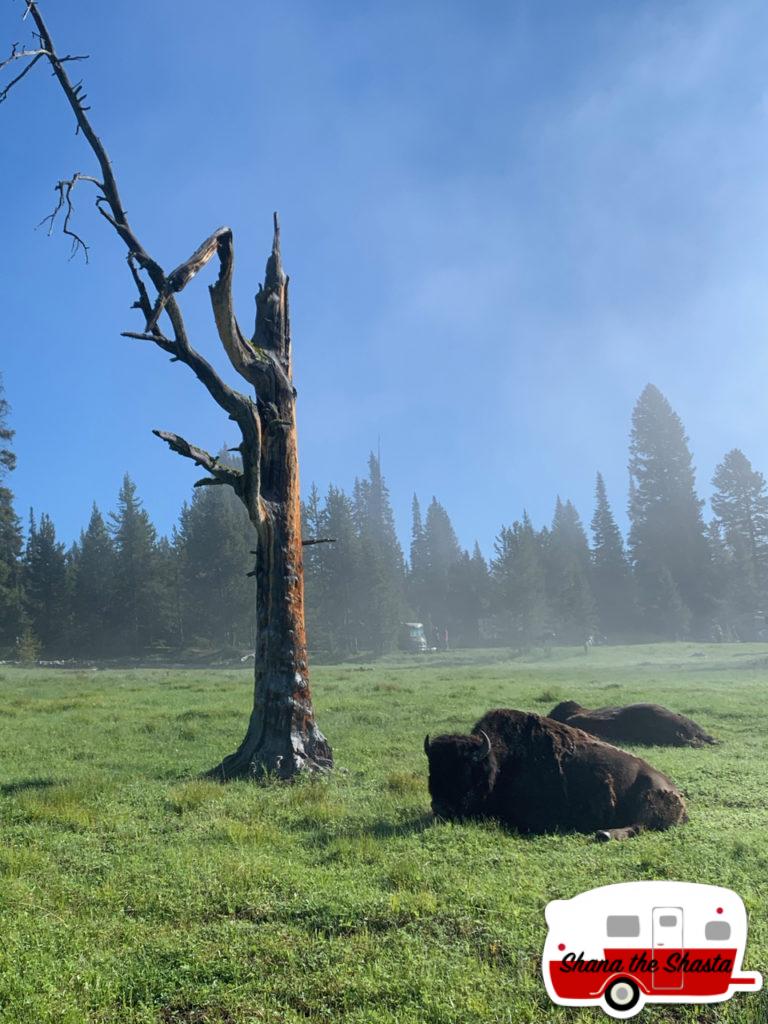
(622, 946)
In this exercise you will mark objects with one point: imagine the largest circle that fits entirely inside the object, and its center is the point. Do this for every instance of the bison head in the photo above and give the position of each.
(563, 711)
(462, 772)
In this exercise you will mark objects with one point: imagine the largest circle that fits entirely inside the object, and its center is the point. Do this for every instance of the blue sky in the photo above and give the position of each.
(500, 221)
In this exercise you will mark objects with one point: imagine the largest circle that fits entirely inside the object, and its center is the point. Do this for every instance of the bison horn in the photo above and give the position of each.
(482, 754)
(426, 744)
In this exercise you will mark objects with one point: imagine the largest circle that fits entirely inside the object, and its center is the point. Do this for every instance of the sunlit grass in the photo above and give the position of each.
(131, 890)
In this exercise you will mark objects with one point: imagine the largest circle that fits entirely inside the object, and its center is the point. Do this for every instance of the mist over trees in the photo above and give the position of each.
(121, 591)
(667, 539)
(739, 541)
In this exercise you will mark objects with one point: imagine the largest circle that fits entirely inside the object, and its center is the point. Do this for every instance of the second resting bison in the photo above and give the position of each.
(537, 775)
(646, 724)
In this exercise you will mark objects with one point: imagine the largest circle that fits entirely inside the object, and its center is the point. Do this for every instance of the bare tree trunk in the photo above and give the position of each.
(282, 736)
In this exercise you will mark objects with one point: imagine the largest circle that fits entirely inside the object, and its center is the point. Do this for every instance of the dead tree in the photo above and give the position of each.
(282, 737)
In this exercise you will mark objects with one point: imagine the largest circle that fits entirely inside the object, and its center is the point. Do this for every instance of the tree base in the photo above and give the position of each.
(261, 757)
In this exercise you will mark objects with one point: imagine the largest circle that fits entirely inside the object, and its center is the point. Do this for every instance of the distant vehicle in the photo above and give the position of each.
(412, 638)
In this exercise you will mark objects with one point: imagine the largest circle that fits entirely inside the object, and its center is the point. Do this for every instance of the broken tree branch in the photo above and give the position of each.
(265, 371)
(64, 188)
(240, 353)
(220, 473)
(179, 278)
(21, 55)
(33, 56)
(72, 94)
(4, 92)
(318, 540)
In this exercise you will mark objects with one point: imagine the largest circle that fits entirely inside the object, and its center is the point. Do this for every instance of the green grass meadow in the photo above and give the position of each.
(132, 891)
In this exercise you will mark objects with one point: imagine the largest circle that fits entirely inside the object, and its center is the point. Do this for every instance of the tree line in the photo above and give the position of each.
(123, 591)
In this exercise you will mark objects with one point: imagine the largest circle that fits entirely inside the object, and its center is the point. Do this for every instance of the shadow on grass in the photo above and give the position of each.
(11, 788)
(386, 829)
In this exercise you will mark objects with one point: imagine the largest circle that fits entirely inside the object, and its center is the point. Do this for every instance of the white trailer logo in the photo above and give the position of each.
(622, 946)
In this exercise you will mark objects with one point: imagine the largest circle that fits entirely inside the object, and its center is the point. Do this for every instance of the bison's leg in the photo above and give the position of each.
(654, 809)
(605, 835)
(662, 808)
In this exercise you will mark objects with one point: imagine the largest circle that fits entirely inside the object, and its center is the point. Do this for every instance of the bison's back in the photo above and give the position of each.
(645, 724)
(553, 776)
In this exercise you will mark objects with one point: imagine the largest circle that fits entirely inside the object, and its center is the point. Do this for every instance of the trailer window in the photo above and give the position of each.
(717, 930)
(623, 927)
(668, 920)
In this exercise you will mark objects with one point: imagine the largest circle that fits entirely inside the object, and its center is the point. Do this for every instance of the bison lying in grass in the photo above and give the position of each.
(647, 724)
(537, 775)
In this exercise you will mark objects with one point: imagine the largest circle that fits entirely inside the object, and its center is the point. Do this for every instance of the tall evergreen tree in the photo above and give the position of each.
(612, 582)
(518, 594)
(440, 554)
(417, 584)
(381, 560)
(313, 554)
(213, 544)
(7, 455)
(170, 625)
(138, 586)
(667, 540)
(343, 585)
(46, 598)
(724, 613)
(569, 591)
(468, 598)
(93, 580)
(11, 543)
(740, 505)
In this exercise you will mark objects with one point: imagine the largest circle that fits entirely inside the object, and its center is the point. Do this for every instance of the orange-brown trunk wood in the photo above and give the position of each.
(282, 736)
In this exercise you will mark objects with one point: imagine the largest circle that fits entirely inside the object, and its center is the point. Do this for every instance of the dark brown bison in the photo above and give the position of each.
(648, 724)
(537, 775)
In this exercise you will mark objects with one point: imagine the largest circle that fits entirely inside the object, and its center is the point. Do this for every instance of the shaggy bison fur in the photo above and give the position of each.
(537, 775)
(647, 724)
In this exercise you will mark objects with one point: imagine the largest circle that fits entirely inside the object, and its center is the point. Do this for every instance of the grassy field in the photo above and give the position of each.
(131, 891)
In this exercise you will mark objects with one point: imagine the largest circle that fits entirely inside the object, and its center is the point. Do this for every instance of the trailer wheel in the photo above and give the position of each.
(622, 995)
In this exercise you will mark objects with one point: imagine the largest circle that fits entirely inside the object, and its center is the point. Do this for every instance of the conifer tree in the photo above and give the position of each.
(138, 587)
(7, 455)
(313, 555)
(724, 614)
(468, 597)
(417, 585)
(569, 591)
(667, 540)
(342, 582)
(45, 579)
(213, 544)
(518, 594)
(94, 609)
(382, 568)
(170, 628)
(612, 582)
(11, 543)
(740, 505)
(666, 613)
(439, 556)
